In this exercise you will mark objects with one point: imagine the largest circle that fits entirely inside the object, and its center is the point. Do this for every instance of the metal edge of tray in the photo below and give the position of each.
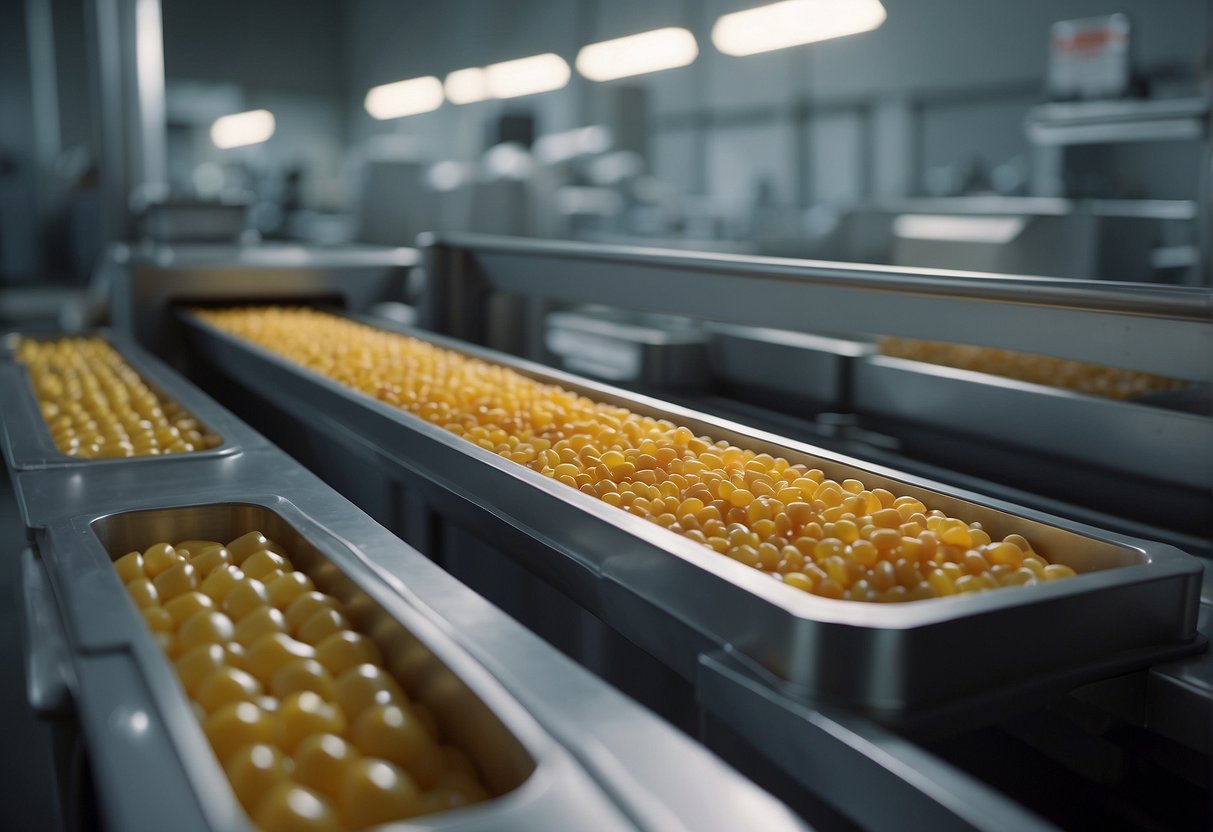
(111, 649)
(793, 365)
(1120, 435)
(799, 637)
(1131, 325)
(27, 441)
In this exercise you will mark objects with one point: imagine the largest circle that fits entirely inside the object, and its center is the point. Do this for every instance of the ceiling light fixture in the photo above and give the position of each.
(637, 54)
(793, 23)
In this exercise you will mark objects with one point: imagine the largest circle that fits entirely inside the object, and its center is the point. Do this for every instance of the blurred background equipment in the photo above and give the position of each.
(862, 303)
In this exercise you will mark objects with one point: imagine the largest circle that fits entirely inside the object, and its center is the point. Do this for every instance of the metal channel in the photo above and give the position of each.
(27, 441)
(884, 658)
(1127, 437)
(121, 677)
(1168, 332)
(537, 785)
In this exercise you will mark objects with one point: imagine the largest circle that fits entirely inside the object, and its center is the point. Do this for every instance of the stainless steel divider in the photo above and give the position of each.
(1119, 324)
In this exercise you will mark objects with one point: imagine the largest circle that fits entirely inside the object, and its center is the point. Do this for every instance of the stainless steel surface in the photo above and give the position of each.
(1131, 120)
(889, 659)
(44, 646)
(506, 745)
(648, 350)
(126, 62)
(804, 368)
(1122, 436)
(830, 749)
(27, 441)
(603, 762)
(147, 281)
(1179, 695)
(1168, 331)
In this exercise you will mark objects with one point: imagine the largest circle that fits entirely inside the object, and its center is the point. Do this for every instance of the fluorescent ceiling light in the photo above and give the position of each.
(526, 76)
(240, 129)
(467, 86)
(989, 230)
(637, 54)
(404, 98)
(792, 23)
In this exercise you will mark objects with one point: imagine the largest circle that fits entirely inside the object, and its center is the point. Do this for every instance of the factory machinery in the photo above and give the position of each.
(1076, 703)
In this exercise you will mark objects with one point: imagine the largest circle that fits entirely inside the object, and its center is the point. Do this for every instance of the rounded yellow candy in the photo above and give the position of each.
(255, 770)
(290, 807)
(261, 563)
(393, 733)
(191, 548)
(176, 580)
(365, 685)
(186, 605)
(321, 762)
(220, 582)
(207, 627)
(244, 597)
(300, 675)
(321, 625)
(129, 567)
(206, 561)
(245, 545)
(226, 686)
(159, 557)
(143, 593)
(198, 664)
(260, 622)
(345, 649)
(158, 619)
(375, 792)
(286, 588)
(302, 714)
(235, 726)
(273, 651)
(307, 605)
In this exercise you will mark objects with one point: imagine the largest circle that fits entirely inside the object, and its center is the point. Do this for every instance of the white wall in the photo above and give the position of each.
(926, 50)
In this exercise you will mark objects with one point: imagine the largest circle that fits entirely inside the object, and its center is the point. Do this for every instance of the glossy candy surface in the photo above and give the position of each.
(96, 406)
(838, 540)
(313, 734)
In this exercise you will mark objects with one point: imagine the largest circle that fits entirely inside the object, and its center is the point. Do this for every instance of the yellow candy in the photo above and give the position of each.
(752, 507)
(95, 405)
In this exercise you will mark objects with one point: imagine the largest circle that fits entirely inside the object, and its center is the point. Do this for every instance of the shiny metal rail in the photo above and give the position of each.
(1163, 330)
(673, 597)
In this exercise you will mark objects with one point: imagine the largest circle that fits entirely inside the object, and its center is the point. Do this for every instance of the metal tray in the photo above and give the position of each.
(1121, 436)
(141, 730)
(796, 367)
(27, 441)
(675, 598)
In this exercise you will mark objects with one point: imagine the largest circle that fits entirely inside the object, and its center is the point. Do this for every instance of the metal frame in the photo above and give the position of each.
(147, 280)
(1167, 331)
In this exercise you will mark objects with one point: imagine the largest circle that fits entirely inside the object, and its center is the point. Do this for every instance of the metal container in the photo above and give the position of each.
(1135, 602)
(794, 368)
(27, 440)
(137, 721)
(1121, 436)
(647, 350)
